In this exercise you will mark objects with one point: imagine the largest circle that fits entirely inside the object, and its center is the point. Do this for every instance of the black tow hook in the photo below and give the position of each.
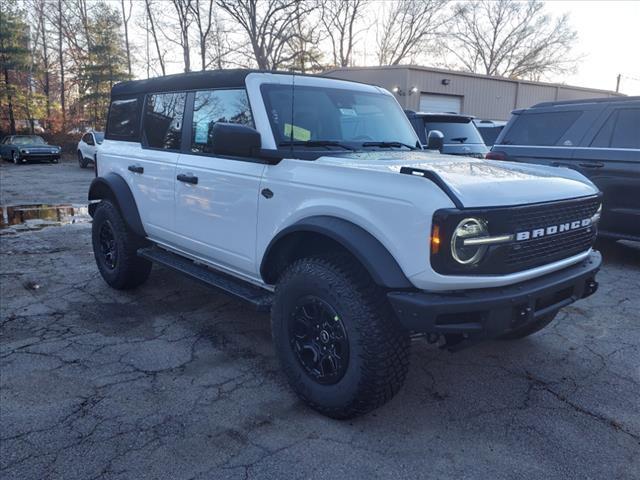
(591, 287)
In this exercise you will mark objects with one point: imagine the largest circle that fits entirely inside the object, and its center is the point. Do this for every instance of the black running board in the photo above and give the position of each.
(261, 299)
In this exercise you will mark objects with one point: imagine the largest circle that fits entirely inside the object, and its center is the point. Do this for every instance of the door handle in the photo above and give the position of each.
(135, 169)
(591, 164)
(187, 178)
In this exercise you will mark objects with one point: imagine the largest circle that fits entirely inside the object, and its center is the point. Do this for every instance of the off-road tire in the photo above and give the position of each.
(529, 329)
(128, 269)
(378, 345)
(83, 163)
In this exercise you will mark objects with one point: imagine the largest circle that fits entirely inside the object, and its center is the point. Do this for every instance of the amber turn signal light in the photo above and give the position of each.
(435, 239)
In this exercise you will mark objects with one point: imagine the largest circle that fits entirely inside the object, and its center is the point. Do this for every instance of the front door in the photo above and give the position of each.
(217, 197)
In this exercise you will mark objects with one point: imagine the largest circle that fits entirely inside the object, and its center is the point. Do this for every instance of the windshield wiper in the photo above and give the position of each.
(459, 139)
(315, 143)
(388, 145)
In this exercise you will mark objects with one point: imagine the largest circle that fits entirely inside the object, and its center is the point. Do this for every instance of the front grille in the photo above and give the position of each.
(540, 251)
(550, 249)
(519, 255)
(537, 216)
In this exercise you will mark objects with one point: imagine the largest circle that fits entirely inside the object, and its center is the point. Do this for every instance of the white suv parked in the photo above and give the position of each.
(88, 148)
(313, 199)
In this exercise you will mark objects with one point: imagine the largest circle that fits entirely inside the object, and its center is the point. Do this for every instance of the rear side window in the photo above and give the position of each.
(455, 132)
(162, 124)
(621, 130)
(212, 106)
(626, 133)
(544, 129)
(124, 120)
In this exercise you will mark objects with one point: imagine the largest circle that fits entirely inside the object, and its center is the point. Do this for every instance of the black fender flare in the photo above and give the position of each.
(367, 249)
(113, 187)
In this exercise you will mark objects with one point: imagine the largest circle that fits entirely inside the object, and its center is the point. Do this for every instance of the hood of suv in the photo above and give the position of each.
(478, 182)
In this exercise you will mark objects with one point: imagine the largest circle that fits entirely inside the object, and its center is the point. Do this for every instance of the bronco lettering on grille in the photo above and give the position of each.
(552, 229)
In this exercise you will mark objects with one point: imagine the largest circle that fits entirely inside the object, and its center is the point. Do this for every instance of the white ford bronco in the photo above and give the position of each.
(313, 199)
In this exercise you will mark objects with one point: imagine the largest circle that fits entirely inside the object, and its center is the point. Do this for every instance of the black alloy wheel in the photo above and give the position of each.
(108, 246)
(319, 340)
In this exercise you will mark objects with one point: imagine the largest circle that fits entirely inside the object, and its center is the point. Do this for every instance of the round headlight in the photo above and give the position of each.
(468, 229)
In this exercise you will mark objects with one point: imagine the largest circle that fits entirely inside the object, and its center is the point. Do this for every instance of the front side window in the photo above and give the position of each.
(124, 119)
(162, 124)
(540, 129)
(212, 106)
(335, 115)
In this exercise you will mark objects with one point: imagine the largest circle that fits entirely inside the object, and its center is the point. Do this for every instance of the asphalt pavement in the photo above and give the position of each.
(176, 381)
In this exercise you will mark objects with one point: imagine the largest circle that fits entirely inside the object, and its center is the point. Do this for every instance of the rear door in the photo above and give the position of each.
(610, 158)
(217, 197)
(151, 168)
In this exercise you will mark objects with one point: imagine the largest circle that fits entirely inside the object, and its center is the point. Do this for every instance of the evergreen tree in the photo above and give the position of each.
(14, 59)
(105, 65)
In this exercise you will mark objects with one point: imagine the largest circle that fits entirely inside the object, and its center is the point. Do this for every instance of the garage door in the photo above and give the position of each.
(440, 103)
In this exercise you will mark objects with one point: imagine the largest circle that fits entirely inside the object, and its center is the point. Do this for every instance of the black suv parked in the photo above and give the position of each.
(600, 138)
(450, 133)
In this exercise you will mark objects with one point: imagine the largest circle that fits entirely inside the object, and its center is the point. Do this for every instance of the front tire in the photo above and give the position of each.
(81, 161)
(115, 249)
(15, 157)
(337, 339)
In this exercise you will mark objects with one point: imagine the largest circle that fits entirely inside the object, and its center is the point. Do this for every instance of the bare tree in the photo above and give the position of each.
(126, 16)
(408, 27)
(154, 34)
(341, 22)
(270, 26)
(184, 14)
(511, 39)
(61, 60)
(213, 36)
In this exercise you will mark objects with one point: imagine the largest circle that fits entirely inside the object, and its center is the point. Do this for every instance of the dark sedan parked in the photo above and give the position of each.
(599, 138)
(25, 148)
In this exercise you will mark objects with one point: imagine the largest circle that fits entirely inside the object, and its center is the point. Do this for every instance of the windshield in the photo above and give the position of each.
(99, 136)
(28, 140)
(455, 132)
(342, 117)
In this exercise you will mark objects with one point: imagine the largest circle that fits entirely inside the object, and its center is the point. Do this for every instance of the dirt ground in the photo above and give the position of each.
(176, 381)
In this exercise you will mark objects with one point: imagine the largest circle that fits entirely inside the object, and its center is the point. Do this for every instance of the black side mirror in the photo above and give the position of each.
(235, 140)
(435, 140)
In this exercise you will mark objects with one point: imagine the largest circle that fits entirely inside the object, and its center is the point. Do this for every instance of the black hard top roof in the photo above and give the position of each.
(586, 100)
(233, 78)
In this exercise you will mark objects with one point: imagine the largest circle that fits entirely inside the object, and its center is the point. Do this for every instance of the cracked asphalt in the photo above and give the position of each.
(176, 381)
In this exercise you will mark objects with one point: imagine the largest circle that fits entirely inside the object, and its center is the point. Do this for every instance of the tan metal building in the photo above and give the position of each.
(435, 90)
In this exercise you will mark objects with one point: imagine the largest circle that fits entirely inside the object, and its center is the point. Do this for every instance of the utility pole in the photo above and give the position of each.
(618, 83)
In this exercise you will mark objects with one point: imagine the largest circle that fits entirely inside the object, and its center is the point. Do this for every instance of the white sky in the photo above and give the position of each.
(609, 39)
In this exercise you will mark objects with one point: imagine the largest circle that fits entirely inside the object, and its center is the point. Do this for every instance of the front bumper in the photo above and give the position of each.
(490, 312)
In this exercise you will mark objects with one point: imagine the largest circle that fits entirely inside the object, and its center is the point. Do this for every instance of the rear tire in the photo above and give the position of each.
(115, 249)
(529, 329)
(337, 339)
